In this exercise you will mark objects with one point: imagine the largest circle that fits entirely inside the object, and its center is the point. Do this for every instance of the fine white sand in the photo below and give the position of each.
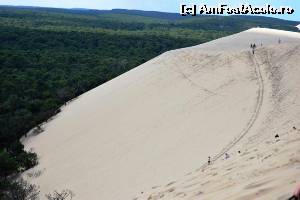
(137, 135)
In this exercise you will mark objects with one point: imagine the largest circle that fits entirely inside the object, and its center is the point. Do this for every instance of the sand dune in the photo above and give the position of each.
(147, 133)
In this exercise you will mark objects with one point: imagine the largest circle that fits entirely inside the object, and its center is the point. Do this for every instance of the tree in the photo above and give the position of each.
(20, 189)
(8, 165)
(63, 195)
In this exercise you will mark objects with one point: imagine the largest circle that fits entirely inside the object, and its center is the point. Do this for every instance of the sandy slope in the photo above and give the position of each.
(161, 120)
(266, 168)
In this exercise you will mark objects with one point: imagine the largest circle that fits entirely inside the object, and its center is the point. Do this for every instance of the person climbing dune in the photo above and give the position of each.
(253, 46)
(226, 155)
(296, 194)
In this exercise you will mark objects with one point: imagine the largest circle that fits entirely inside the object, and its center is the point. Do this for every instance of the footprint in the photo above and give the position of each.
(251, 158)
(171, 183)
(198, 193)
(154, 197)
(256, 194)
(188, 173)
(191, 185)
(180, 194)
(214, 174)
(256, 184)
(294, 161)
(229, 169)
(171, 190)
(205, 183)
(154, 187)
(268, 156)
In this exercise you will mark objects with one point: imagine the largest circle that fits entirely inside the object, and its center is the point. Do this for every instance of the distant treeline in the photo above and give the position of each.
(50, 56)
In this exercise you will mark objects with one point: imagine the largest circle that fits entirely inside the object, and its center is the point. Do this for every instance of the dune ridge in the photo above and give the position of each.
(145, 129)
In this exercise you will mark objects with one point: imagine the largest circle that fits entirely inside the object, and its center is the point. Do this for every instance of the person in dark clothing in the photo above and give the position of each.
(253, 46)
(209, 161)
(226, 156)
(277, 138)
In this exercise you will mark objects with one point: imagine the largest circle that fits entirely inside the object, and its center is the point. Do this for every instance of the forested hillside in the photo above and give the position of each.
(50, 56)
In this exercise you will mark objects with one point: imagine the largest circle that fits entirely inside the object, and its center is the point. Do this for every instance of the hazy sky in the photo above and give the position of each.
(156, 5)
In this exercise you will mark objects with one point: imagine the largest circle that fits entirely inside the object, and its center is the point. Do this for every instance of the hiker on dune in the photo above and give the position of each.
(209, 161)
(296, 194)
(226, 155)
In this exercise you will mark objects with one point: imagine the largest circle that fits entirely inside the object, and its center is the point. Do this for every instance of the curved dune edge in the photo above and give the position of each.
(150, 126)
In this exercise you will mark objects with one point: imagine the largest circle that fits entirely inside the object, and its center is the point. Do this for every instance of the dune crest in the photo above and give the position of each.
(137, 135)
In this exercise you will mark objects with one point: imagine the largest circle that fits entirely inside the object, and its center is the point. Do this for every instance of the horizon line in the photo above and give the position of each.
(95, 9)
